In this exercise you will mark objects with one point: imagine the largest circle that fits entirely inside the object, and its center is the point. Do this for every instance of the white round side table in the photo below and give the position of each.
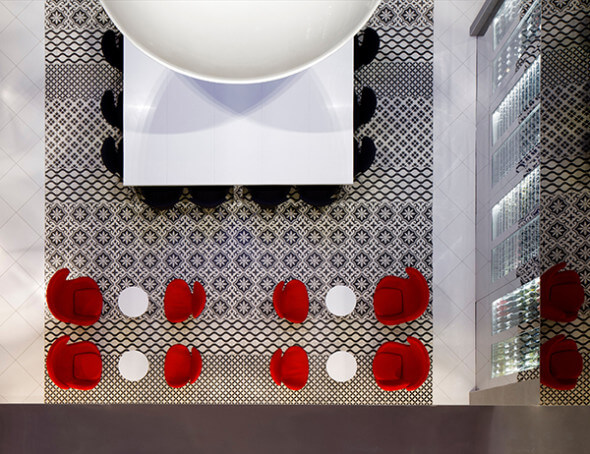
(133, 301)
(340, 300)
(341, 366)
(133, 365)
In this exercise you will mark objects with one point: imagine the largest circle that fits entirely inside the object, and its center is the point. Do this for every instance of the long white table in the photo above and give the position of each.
(183, 131)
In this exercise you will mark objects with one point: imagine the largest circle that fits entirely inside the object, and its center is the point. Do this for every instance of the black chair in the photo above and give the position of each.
(112, 113)
(208, 196)
(269, 196)
(365, 53)
(363, 155)
(112, 155)
(161, 197)
(318, 195)
(112, 49)
(365, 108)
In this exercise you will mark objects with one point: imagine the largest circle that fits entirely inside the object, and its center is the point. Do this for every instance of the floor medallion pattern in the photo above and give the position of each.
(239, 251)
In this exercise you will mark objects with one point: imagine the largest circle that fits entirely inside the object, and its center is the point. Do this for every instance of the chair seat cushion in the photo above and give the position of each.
(566, 364)
(569, 296)
(87, 366)
(87, 302)
(291, 301)
(295, 368)
(295, 295)
(387, 366)
(291, 368)
(177, 366)
(388, 302)
(178, 301)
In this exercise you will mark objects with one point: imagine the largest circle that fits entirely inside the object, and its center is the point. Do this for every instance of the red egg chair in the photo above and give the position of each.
(182, 366)
(180, 303)
(561, 363)
(399, 366)
(291, 368)
(398, 300)
(76, 366)
(562, 294)
(291, 301)
(76, 301)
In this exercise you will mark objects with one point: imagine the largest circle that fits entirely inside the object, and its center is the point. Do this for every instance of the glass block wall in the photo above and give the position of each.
(508, 200)
(517, 307)
(518, 204)
(523, 37)
(522, 142)
(517, 354)
(518, 100)
(518, 249)
(533, 188)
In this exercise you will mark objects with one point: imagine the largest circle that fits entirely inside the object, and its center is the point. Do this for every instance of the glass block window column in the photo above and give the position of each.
(508, 191)
(514, 308)
(520, 98)
(504, 18)
(517, 204)
(517, 354)
(517, 146)
(519, 248)
(524, 36)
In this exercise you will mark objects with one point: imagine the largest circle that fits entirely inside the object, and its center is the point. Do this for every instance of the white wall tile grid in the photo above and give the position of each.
(454, 201)
(21, 201)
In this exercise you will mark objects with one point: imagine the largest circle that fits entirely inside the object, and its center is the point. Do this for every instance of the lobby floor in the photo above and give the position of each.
(22, 201)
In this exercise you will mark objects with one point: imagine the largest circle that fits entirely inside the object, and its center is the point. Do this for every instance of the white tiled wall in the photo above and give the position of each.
(21, 201)
(454, 201)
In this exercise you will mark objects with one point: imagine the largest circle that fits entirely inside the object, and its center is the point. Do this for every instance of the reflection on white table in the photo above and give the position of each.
(183, 131)
(340, 300)
(133, 365)
(133, 301)
(341, 366)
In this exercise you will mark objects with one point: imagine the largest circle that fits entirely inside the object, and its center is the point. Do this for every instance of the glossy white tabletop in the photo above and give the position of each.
(133, 365)
(133, 301)
(341, 366)
(183, 131)
(340, 300)
(239, 41)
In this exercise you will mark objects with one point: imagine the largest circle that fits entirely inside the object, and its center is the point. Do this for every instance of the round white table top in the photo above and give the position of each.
(239, 41)
(133, 365)
(341, 366)
(340, 300)
(133, 301)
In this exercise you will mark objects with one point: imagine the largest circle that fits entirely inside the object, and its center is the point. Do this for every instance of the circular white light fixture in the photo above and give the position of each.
(239, 41)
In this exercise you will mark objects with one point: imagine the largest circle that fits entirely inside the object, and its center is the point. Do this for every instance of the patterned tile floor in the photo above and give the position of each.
(21, 201)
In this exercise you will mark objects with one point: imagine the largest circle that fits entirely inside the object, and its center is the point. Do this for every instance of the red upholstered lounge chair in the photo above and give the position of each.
(182, 366)
(291, 368)
(399, 366)
(291, 301)
(77, 366)
(397, 300)
(180, 303)
(76, 301)
(561, 363)
(562, 294)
